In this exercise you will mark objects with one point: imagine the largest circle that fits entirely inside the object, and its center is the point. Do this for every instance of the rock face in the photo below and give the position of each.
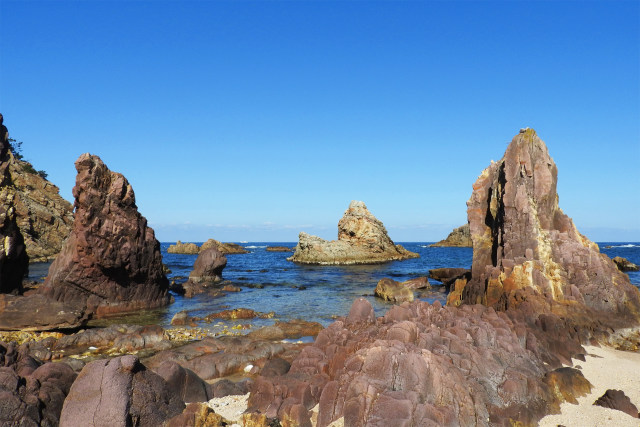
(527, 252)
(44, 217)
(121, 392)
(183, 248)
(14, 262)
(362, 239)
(625, 265)
(459, 237)
(111, 261)
(36, 312)
(421, 364)
(225, 248)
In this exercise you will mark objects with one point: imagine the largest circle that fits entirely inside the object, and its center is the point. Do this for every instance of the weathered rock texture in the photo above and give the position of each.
(460, 237)
(225, 248)
(183, 248)
(119, 392)
(625, 265)
(31, 393)
(44, 217)
(14, 261)
(362, 239)
(424, 365)
(616, 399)
(36, 312)
(527, 252)
(390, 290)
(111, 261)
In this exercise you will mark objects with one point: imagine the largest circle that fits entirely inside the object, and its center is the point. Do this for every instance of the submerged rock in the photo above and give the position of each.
(460, 237)
(625, 265)
(14, 261)
(111, 261)
(362, 239)
(390, 290)
(448, 275)
(527, 252)
(279, 249)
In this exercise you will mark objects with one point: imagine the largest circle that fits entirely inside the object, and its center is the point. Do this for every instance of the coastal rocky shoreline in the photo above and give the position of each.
(504, 350)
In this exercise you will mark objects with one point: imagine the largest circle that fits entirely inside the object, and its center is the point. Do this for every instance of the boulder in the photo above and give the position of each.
(292, 329)
(390, 290)
(362, 239)
(616, 399)
(119, 391)
(624, 264)
(183, 248)
(208, 266)
(460, 238)
(191, 387)
(14, 261)
(527, 252)
(225, 248)
(31, 393)
(111, 261)
(197, 414)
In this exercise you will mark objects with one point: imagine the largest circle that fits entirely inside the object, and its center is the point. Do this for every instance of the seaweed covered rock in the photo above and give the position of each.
(362, 239)
(527, 252)
(111, 261)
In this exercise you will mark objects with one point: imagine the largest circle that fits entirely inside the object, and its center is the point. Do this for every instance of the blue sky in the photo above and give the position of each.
(254, 121)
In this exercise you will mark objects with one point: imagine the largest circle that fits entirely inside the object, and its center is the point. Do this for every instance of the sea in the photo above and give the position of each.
(270, 283)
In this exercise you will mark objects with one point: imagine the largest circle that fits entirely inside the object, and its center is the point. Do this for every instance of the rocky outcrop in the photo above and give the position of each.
(207, 271)
(422, 364)
(183, 248)
(624, 264)
(192, 248)
(225, 248)
(448, 275)
(527, 253)
(44, 217)
(111, 261)
(390, 290)
(278, 249)
(119, 391)
(616, 399)
(36, 312)
(31, 393)
(362, 239)
(14, 261)
(460, 237)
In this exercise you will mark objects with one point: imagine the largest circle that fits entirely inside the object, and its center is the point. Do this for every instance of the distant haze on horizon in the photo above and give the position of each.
(253, 121)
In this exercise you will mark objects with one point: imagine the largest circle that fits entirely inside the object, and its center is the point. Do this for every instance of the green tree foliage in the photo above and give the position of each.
(16, 149)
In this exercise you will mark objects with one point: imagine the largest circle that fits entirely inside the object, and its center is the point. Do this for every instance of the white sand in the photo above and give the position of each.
(230, 407)
(605, 368)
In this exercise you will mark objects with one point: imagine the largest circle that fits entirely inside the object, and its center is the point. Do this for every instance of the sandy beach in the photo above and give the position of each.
(605, 368)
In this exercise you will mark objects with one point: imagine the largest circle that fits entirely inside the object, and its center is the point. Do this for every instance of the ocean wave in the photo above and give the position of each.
(254, 247)
(630, 245)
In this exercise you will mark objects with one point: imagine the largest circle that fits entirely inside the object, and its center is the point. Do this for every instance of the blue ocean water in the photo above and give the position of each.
(271, 283)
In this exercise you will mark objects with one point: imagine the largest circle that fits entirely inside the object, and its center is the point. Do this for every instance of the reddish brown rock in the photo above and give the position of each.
(421, 364)
(225, 248)
(14, 262)
(362, 239)
(207, 270)
(238, 313)
(31, 393)
(292, 329)
(39, 313)
(197, 414)
(526, 251)
(625, 265)
(279, 249)
(111, 261)
(190, 386)
(616, 399)
(119, 391)
(448, 275)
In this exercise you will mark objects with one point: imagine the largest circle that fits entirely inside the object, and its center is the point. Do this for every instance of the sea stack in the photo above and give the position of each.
(362, 239)
(459, 238)
(527, 251)
(112, 260)
(14, 262)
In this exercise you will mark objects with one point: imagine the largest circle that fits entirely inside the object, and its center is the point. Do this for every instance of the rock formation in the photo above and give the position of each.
(183, 248)
(362, 239)
(616, 399)
(278, 249)
(460, 237)
(225, 248)
(625, 265)
(527, 252)
(14, 261)
(422, 364)
(207, 271)
(44, 217)
(390, 290)
(111, 261)
(121, 392)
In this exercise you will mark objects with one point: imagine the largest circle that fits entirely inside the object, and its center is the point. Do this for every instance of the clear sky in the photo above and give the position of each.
(254, 121)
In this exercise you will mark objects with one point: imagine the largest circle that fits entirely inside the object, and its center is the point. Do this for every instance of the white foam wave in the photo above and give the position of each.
(630, 245)
(254, 247)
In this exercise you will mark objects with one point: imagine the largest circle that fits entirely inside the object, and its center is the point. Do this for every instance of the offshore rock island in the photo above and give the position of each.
(362, 239)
